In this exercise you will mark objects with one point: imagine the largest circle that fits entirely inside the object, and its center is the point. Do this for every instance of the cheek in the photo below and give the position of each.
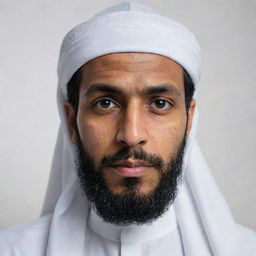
(166, 135)
(95, 137)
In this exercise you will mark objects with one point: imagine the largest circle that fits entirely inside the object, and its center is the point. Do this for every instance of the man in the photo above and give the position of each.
(128, 177)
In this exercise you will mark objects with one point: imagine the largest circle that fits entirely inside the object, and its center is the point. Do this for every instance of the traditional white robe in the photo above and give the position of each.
(158, 238)
(161, 237)
(199, 222)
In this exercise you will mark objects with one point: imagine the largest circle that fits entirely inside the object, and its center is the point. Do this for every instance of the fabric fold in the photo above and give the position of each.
(204, 220)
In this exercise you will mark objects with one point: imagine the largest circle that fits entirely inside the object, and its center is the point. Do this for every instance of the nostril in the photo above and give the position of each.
(142, 142)
(123, 142)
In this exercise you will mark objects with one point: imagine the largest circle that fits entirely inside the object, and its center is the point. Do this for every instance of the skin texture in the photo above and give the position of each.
(135, 116)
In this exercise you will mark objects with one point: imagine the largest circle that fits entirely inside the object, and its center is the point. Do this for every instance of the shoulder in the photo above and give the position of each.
(26, 239)
(247, 240)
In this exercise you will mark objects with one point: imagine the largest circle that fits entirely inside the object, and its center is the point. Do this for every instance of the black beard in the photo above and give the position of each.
(131, 206)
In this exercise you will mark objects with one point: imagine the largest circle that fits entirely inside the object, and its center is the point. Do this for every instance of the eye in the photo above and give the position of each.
(161, 104)
(105, 104)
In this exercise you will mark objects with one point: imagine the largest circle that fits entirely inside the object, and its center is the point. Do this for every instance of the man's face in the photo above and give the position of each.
(131, 119)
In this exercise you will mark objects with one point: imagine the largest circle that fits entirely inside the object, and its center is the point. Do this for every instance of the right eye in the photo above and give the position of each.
(105, 104)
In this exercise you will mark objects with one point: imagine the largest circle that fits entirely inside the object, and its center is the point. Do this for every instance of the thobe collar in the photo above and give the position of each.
(133, 233)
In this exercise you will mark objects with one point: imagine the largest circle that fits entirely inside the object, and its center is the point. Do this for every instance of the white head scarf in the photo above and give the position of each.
(205, 222)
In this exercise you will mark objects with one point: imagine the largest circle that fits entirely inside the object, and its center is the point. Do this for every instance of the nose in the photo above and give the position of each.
(132, 127)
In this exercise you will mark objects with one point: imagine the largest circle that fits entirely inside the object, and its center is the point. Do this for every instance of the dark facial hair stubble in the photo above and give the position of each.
(131, 206)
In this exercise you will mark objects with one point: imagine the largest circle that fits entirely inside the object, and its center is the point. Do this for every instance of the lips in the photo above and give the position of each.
(131, 168)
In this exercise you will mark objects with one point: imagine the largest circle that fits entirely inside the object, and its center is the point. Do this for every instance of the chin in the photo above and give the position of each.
(134, 185)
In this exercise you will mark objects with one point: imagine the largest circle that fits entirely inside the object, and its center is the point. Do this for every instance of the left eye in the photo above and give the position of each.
(105, 103)
(160, 104)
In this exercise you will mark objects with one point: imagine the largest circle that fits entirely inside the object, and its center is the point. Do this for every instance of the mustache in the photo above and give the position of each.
(137, 154)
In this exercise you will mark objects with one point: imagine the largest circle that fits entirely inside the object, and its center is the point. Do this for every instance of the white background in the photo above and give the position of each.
(30, 36)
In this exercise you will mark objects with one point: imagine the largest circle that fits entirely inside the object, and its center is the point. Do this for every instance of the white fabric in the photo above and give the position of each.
(133, 233)
(205, 225)
(158, 238)
(129, 30)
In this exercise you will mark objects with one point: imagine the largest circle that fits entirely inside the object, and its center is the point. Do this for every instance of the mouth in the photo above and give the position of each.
(131, 168)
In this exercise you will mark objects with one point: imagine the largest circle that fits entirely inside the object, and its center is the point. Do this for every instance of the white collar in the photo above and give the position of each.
(133, 233)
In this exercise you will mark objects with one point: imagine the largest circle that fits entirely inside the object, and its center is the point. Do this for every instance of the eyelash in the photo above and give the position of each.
(166, 102)
(104, 99)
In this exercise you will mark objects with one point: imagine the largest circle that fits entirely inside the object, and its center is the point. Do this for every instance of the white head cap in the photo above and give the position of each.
(128, 27)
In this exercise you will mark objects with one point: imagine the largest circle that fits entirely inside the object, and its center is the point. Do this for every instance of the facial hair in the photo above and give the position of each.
(131, 206)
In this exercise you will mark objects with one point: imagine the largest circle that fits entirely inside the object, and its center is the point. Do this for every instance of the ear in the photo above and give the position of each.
(191, 112)
(71, 121)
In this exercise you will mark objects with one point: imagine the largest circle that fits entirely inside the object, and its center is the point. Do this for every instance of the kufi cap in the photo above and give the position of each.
(128, 27)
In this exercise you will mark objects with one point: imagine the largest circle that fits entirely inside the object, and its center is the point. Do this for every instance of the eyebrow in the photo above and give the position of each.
(161, 88)
(151, 90)
(101, 87)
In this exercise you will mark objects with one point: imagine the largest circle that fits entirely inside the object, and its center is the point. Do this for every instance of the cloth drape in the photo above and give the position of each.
(205, 222)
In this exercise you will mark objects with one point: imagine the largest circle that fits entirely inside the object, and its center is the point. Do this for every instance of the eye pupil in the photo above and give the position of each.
(160, 103)
(105, 103)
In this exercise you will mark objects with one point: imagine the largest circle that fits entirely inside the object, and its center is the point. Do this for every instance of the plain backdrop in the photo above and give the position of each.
(30, 36)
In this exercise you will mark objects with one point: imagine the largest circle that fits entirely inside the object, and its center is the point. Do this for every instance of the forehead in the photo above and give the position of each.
(136, 69)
